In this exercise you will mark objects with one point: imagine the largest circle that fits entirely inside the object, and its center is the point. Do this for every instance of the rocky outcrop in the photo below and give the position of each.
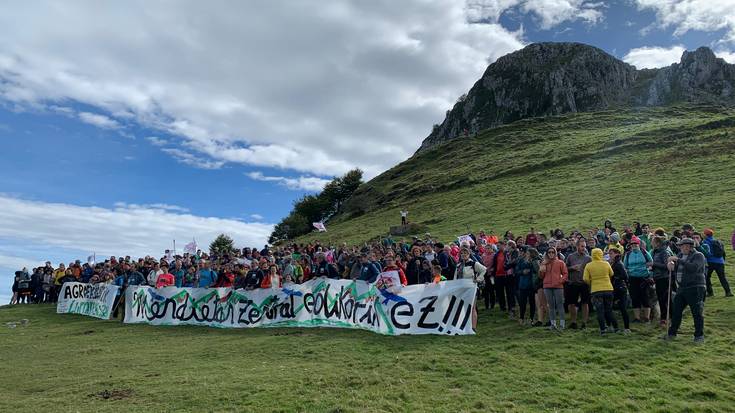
(545, 79)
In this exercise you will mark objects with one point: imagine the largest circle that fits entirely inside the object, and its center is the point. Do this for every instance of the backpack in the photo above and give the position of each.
(716, 249)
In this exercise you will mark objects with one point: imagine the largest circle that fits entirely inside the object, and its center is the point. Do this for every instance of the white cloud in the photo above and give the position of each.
(686, 15)
(162, 206)
(190, 159)
(156, 141)
(126, 229)
(319, 90)
(302, 183)
(549, 12)
(727, 55)
(650, 57)
(256, 217)
(101, 121)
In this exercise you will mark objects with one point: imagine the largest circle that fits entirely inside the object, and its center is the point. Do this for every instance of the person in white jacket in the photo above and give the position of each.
(468, 268)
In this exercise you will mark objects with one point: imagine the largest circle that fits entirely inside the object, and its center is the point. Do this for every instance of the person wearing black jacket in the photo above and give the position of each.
(323, 268)
(620, 285)
(414, 274)
(688, 269)
(253, 278)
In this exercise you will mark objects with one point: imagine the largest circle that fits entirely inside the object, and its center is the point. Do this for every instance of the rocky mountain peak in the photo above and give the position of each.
(545, 79)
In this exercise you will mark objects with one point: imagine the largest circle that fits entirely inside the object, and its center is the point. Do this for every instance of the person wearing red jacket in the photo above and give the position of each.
(226, 278)
(390, 265)
(166, 279)
(272, 279)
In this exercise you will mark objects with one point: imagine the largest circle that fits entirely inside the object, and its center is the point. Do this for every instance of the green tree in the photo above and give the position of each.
(316, 208)
(223, 244)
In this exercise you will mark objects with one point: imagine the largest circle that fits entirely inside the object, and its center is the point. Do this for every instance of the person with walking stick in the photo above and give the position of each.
(688, 269)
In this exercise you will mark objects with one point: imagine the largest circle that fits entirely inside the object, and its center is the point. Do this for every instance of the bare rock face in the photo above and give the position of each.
(545, 79)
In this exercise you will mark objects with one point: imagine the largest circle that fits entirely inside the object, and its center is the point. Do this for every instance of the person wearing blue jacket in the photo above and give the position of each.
(207, 277)
(715, 262)
(368, 271)
(639, 277)
(526, 270)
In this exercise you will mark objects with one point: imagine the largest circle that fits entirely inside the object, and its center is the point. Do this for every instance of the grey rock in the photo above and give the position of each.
(546, 79)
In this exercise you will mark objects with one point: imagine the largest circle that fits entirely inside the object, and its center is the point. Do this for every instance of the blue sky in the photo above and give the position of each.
(125, 127)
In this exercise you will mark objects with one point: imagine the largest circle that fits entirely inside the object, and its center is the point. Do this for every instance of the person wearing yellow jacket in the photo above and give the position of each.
(598, 274)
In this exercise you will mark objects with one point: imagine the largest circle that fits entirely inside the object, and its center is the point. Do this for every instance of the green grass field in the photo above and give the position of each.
(664, 166)
(70, 363)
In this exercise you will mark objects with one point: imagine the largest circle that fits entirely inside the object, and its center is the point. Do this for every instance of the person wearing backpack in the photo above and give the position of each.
(715, 262)
(661, 276)
(636, 264)
(468, 268)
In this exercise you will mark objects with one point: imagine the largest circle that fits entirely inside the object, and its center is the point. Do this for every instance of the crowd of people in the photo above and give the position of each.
(537, 279)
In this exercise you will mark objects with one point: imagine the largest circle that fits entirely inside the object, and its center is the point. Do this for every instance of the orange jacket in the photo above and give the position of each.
(554, 274)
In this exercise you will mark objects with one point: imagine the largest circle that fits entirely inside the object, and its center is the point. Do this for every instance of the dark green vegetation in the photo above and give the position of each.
(316, 208)
(69, 363)
(664, 166)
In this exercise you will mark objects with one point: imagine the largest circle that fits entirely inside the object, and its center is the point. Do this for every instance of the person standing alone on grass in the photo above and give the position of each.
(576, 290)
(404, 217)
(688, 269)
(715, 262)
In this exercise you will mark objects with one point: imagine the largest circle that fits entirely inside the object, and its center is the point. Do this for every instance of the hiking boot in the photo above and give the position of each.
(627, 332)
(573, 326)
(699, 340)
(537, 324)
(636, 321)
(548, 324)
(728, 295)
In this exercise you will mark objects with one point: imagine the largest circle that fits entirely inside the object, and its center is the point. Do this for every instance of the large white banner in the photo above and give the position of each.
(443, 308)
(95, 300)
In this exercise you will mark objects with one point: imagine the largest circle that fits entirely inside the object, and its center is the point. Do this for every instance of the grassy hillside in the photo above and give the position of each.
(664, 166)
(70, 363)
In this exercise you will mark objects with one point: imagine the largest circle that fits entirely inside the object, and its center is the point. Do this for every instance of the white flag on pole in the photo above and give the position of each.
(319, 226)
(191, 247)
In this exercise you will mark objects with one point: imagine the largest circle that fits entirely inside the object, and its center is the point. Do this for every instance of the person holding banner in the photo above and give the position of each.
(468, 268)
(390, 265)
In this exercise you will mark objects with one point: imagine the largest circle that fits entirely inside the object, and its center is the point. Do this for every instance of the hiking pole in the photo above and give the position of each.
(668, 305)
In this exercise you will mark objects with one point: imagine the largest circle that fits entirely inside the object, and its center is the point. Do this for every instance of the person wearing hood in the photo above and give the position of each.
(614, 241)
(597, 274)
(715, 262)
